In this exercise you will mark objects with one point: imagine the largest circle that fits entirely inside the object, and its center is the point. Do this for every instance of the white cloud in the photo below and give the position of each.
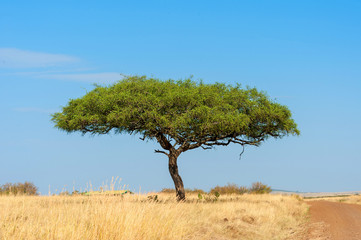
(37, 65)
(16, 58)
(105, 77)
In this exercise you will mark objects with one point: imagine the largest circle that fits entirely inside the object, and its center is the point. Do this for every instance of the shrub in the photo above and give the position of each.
(230, 188)
(208, 197)
(259, 188)
(26, 188)
(243, 190)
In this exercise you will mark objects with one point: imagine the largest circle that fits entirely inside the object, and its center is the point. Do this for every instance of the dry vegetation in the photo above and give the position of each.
(354, 199)
(26, 188)
(135, 217)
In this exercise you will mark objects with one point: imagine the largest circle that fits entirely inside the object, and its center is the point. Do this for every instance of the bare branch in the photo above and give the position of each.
(255, 142)
(218, 143)
(240, 155)
(224, 140)
(158, 151)
(195, 145)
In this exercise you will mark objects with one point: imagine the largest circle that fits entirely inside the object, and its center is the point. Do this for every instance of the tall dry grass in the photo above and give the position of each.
(134, 217)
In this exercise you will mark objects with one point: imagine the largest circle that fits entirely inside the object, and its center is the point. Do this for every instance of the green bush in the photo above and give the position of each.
(259, 188)
(26, 188)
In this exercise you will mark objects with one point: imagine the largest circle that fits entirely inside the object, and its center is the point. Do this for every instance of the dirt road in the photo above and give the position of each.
(335, 221)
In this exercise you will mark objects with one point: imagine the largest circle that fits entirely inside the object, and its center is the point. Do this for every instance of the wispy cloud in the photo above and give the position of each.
(17, 58)
(40, 65)
(105, 77)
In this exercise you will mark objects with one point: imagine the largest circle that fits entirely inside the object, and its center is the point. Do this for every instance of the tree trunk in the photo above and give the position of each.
(178, 183)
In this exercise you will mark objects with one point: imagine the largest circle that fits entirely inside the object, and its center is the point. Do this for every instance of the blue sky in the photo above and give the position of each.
(306, 54)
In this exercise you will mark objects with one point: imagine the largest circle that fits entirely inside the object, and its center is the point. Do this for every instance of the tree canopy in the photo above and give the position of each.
(186, 111)
(181, 115)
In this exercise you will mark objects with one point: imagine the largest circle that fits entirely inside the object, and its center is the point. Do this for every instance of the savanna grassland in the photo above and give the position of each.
(138, 216)
(353, 199)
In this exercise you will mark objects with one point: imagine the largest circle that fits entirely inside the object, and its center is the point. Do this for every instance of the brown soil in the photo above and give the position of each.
(334, 221)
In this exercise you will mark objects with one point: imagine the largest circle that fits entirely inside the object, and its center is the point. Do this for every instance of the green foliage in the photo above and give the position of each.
(208, 197)
(26, 188)
(191, 114)
(181, 115)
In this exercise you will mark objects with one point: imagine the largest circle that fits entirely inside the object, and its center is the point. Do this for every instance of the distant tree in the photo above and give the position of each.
(260, 188)
(181, 115)
(26, 188)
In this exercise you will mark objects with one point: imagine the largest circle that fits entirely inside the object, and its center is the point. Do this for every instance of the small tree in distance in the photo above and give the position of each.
(260, 188)
(180, 115)
(26, 188)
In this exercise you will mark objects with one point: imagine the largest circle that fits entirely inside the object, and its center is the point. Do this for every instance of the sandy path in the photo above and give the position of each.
(335, 221)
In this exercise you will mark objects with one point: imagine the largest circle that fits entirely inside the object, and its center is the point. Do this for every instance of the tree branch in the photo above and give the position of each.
(164, 143)
(218, 143)
(221, 141)
(184, 146)
(240, 155)
(158, 151)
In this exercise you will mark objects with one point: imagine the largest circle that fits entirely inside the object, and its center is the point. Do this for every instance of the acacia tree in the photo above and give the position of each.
(180, 115)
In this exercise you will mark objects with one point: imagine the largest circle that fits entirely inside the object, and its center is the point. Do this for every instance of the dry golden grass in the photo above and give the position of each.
(134, 217)
(354, 199)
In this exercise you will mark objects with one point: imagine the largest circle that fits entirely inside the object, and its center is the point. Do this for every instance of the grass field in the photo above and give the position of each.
(136, 217)
(354, 199)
